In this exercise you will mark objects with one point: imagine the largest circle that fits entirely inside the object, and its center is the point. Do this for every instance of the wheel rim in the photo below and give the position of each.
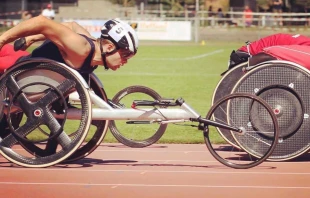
(249, 156)
(20, 75)
(136, 135)
(294, 142)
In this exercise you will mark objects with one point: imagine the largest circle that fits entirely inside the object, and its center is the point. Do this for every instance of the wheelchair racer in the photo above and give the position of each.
(263, 46)
(70, 43)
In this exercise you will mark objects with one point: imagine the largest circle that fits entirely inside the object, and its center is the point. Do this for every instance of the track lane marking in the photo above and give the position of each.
(153, 185)
(143, 171)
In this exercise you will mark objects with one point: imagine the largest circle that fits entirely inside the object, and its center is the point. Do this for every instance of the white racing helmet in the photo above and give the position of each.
(122, 35)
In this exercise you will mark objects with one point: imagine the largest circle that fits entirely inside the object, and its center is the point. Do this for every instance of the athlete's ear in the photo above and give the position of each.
(110, 47)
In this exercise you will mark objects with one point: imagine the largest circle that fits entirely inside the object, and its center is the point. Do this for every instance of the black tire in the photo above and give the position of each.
(64, 80)
(96, 133)
(239, 109)
(115, 128)
(285, 87)
(224, 88)
(100, 126)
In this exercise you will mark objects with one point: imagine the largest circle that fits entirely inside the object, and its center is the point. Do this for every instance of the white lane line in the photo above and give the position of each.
(153, 185)
(185, 58)
(155, 171)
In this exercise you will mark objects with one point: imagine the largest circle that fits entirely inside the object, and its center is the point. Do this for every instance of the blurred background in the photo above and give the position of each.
(173, 20)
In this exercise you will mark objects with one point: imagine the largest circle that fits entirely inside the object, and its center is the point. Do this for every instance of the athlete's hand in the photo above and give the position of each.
(20, 44)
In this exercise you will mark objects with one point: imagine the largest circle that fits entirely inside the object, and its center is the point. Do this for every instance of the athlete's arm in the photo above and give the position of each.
(73, 46)
(78, 28)
(29, 40)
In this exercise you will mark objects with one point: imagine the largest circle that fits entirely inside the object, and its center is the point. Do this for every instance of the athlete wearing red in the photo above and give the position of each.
(258, 47)
(275, 39)
(8, 56)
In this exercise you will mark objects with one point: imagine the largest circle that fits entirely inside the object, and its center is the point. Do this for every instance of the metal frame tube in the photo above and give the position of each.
(106, 112)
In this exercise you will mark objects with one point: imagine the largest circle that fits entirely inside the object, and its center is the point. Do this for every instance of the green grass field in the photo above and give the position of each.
(174, 70)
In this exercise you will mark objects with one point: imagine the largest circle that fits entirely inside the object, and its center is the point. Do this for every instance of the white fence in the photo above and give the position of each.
(228, 18)
(194, 20)
(147, 30)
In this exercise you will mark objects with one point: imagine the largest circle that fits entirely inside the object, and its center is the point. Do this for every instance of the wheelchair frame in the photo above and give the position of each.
(104, 111)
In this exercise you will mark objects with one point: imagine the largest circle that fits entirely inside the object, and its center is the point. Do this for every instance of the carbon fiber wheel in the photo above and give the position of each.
(285, 87)
(35, 100)
(137, 134)
(97, 131)
(2, 98)
(241, 111)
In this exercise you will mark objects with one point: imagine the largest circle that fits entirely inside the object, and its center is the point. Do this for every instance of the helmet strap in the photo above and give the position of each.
(103, 56)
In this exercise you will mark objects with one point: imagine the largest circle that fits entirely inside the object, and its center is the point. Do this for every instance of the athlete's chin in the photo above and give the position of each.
(115, 68)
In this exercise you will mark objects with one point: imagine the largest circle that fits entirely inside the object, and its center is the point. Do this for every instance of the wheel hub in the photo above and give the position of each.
(278, 110)
(38, 112)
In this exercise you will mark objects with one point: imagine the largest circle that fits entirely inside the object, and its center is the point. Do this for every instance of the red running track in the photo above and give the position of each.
(157, 171)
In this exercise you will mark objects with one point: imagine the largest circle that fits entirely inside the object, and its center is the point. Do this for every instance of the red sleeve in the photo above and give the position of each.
(259, 45)
(276, 39)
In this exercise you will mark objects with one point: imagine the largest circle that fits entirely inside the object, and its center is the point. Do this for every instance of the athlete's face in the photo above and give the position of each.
(115, 60)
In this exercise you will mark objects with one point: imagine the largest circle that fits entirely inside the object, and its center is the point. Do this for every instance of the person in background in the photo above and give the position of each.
(48, 12)
(210, 11)
(210, 16)
(277, 8)
(220, 17)
(247, 16)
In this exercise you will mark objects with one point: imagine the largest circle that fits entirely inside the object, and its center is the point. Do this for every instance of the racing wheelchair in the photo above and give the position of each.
(284, 85)
(50, 108)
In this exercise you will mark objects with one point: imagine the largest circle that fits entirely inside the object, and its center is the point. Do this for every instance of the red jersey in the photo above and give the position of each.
(276, 39)
(248, 15)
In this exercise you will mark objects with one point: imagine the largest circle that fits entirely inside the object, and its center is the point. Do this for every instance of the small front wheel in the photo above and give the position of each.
(135, 133)
(256, 140)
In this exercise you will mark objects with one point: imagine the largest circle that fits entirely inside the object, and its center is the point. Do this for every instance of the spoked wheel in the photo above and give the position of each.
(257, 142)
(33, 88)
(97, 131)
(4, 127)
(135, 133)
